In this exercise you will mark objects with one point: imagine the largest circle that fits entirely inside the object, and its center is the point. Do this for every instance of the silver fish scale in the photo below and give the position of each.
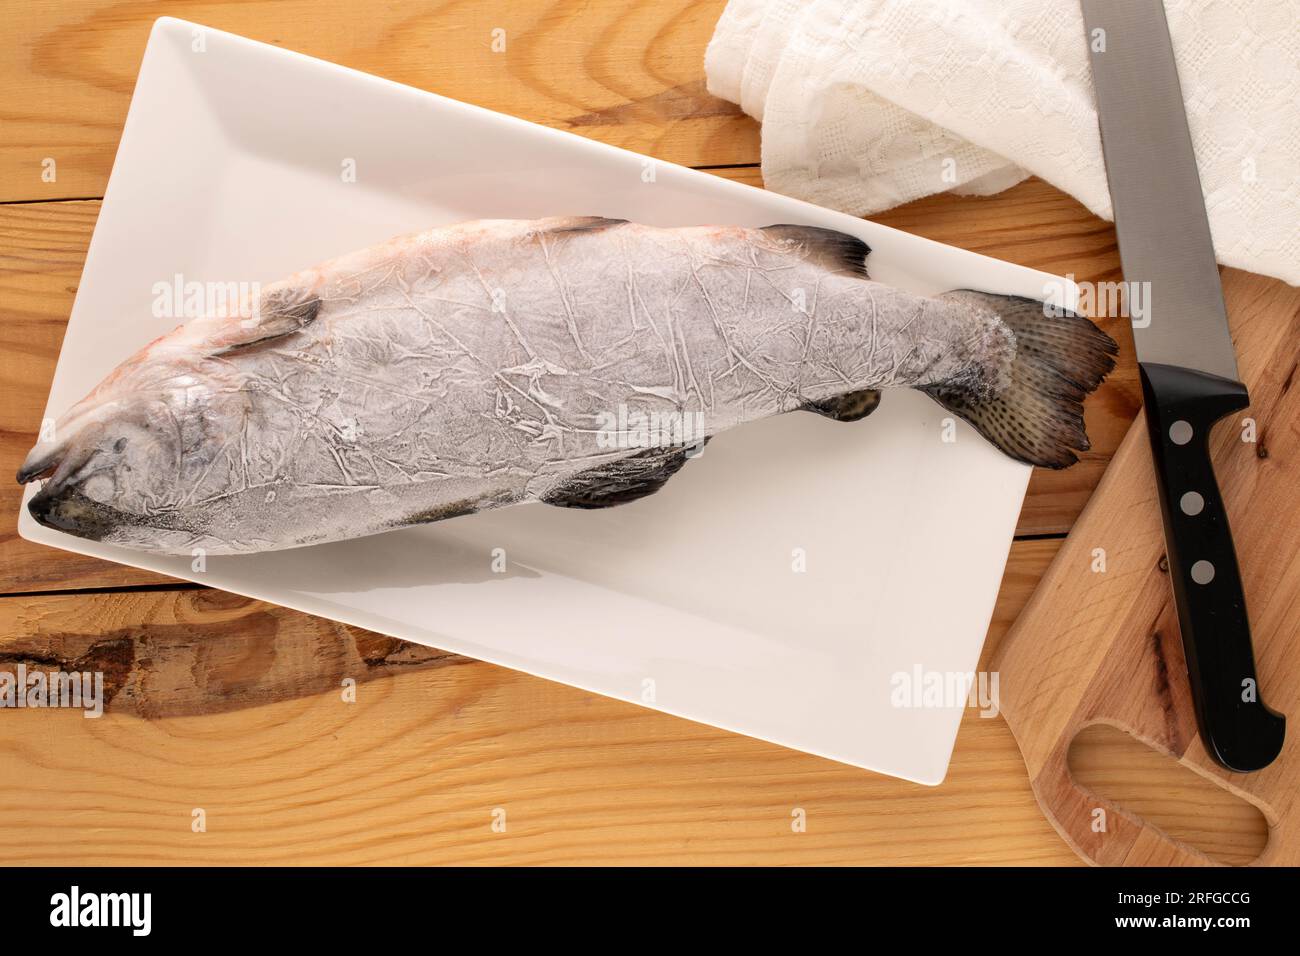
(462, 357)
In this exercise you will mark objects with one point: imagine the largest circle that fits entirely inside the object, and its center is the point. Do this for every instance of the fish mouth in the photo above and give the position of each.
(70, 511)
(59, 503)
(62, 505)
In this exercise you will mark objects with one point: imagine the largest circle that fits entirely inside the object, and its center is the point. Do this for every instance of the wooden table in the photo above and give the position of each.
(234, 706)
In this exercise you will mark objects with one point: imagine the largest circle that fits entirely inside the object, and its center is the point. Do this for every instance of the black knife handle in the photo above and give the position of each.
(1181, 404)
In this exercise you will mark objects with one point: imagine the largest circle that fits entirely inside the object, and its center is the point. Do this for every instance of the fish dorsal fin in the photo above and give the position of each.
(620, 481)
(849, 407)
(834, 251)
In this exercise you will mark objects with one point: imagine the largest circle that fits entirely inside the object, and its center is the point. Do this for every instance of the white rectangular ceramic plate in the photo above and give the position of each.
(688, 601)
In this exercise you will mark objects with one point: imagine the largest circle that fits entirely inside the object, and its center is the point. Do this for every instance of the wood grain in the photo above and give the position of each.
(42, 247)
(621, 71)
(1103, 648)
(411, 772)
(198, 651)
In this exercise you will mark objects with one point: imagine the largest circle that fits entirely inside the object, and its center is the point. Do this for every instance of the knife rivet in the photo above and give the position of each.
(1180, 432)
(1202, 572)
(1192, 503)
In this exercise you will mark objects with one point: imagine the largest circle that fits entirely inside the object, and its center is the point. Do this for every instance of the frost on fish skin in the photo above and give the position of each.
(470, 367)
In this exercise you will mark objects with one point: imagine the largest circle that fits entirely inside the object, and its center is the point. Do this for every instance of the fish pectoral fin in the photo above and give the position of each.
(849, 407)
(622, 480)
(281, 310)
(561, 225)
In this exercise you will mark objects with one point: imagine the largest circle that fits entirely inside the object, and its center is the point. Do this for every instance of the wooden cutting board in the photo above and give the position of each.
(1098, 643)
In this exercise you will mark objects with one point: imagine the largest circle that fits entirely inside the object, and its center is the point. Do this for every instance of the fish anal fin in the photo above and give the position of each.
(620, 481)
(849, 407)
(282, 310)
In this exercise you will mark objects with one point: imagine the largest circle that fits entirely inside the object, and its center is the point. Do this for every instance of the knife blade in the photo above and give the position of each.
(1186, 362)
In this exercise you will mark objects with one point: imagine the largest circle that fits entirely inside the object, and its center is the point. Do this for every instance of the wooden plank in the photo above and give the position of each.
(175, 652)
(172, 653)
(624, 72)
(235, 706)
(396, 778)
(42, 246)
(413, 770)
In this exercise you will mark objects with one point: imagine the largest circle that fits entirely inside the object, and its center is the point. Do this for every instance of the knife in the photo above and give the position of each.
(1186, 362)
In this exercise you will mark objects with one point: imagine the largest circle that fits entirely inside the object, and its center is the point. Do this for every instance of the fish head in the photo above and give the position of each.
(120, 465)
(154, 457)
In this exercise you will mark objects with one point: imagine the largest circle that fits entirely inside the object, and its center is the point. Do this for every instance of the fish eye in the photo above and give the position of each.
(119, 444)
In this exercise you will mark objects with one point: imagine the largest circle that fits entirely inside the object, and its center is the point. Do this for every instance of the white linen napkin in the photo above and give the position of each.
(866, 104)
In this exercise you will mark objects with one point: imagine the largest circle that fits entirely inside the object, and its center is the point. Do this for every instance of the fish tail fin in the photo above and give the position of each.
(1036, 415)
